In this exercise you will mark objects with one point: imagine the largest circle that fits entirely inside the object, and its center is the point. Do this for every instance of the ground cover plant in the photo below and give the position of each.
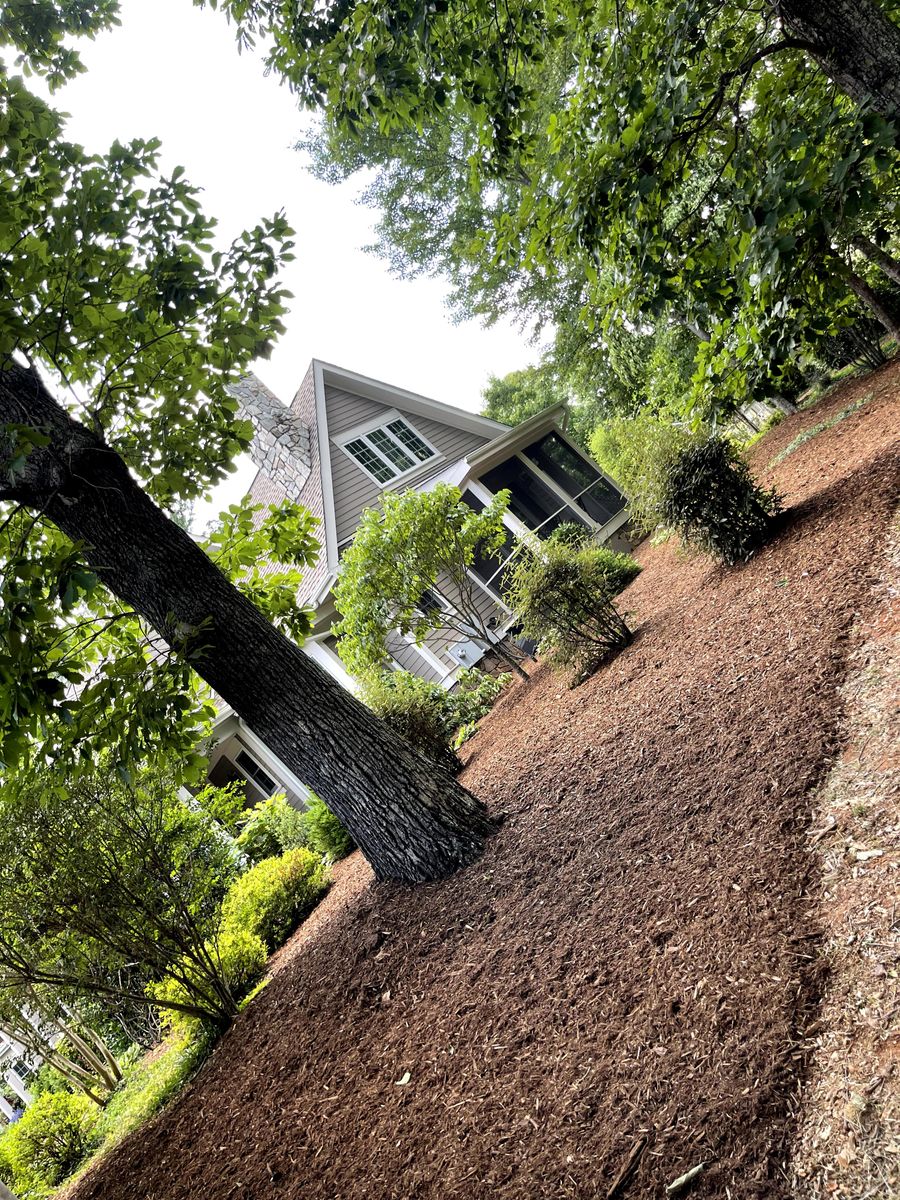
(629, 972)
(828, 423)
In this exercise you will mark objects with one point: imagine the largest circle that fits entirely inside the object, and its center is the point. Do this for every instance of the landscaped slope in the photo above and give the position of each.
(624, 980)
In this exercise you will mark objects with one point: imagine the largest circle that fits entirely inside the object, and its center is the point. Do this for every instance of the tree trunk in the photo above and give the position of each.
(886, 262)
(412, 821)
(870, 297)
(854, 43)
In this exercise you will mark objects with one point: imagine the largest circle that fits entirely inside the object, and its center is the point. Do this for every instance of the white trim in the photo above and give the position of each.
(430, 657)
(570, 502)
(324, 443)
(270, 762)
(408, 402)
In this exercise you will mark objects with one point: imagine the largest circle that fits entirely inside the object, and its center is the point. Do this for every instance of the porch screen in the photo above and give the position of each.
(489, 568)
(573, 474)
(535, 504)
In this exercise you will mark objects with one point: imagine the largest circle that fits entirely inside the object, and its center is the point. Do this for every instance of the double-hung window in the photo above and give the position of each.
(389, 450)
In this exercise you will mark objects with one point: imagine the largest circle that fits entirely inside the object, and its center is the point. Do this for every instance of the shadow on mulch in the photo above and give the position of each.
(627, 973)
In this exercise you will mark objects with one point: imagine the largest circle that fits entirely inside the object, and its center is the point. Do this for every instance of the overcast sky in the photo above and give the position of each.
(173, 71)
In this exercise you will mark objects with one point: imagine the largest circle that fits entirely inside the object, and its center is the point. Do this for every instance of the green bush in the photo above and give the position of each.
(273, 897)
(711, 501)
(428, 715)
(242, 957)
(570, 533)
(272, 827)
(324, 832)
(47, 1143)
(638, 453)
(563, 601)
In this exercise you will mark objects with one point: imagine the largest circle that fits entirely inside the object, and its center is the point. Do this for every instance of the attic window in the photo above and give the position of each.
(389, 450)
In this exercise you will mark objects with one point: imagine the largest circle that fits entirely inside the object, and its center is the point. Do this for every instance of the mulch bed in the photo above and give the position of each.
(619, 989)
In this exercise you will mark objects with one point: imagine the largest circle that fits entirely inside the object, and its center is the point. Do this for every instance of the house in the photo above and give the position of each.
(346, 439)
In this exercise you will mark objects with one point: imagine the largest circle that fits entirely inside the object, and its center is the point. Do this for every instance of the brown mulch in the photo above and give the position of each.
(621, 988)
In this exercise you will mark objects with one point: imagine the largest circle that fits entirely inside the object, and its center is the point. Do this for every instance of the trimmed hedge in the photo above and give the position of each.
(271, 899)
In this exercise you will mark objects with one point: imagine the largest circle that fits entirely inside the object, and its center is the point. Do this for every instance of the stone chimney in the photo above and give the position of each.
(281, 443)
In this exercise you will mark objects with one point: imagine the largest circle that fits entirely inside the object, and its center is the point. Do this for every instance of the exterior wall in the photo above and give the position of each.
(266, 490)
(353, 489)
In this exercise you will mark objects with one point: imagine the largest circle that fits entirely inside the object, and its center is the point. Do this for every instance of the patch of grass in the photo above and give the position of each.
(813, 430)
(148, 1084)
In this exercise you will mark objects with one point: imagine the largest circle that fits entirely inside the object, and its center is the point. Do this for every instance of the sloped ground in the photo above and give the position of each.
(625, 985)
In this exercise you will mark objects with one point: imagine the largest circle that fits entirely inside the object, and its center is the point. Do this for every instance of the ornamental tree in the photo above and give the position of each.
(122, 323)
(417, 542)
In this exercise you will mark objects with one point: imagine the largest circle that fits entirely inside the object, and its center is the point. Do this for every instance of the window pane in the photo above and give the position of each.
(535, 504)
(573, 474)
(367, 458)
(489, 568)
(392, 452)
(407, 435)
(255, 772)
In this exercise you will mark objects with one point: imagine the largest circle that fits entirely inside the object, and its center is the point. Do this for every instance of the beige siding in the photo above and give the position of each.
(409, 658)
(353, 489)
(346, 410)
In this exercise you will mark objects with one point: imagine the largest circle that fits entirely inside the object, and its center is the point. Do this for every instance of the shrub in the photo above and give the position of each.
(46, 1144)
(563, 601)
(325, 833)
(638, 452)
(428, 715)
(416, 709)
(711, 501)
(272, 897)
(242, 958)
(272, 827)
(570, 533)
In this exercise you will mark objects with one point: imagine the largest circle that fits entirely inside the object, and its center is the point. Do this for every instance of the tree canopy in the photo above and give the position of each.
(601, 163)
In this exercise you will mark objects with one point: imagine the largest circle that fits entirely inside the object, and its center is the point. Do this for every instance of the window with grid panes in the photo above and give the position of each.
(390, 450)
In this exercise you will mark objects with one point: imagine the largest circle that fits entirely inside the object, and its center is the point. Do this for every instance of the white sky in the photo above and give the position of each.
(173, 71)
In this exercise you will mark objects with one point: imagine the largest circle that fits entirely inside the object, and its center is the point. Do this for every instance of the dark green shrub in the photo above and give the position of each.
(570, 533)
(272, 827)
(272, 898)
(324, 832)
(638, 452)
(563, 601)
(711, 501)
(47, 1143)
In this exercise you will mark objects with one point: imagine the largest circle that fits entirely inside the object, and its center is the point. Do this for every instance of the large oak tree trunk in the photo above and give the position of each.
(854, 43)
(411, 820)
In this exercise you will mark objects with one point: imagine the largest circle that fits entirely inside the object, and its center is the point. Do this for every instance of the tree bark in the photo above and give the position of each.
(871, 299)
(884, 261)
(413, 822)
(854, 43)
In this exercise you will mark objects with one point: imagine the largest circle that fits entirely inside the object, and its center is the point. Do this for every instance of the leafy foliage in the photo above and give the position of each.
(711, 501)
(272, 827)
(240, 958)
(416, 541)
(103, 873)
(603, 161)
(270, 899)
(562, 598)
(48, 1142)
(324, 832)
(638, 453)
(429, 715)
